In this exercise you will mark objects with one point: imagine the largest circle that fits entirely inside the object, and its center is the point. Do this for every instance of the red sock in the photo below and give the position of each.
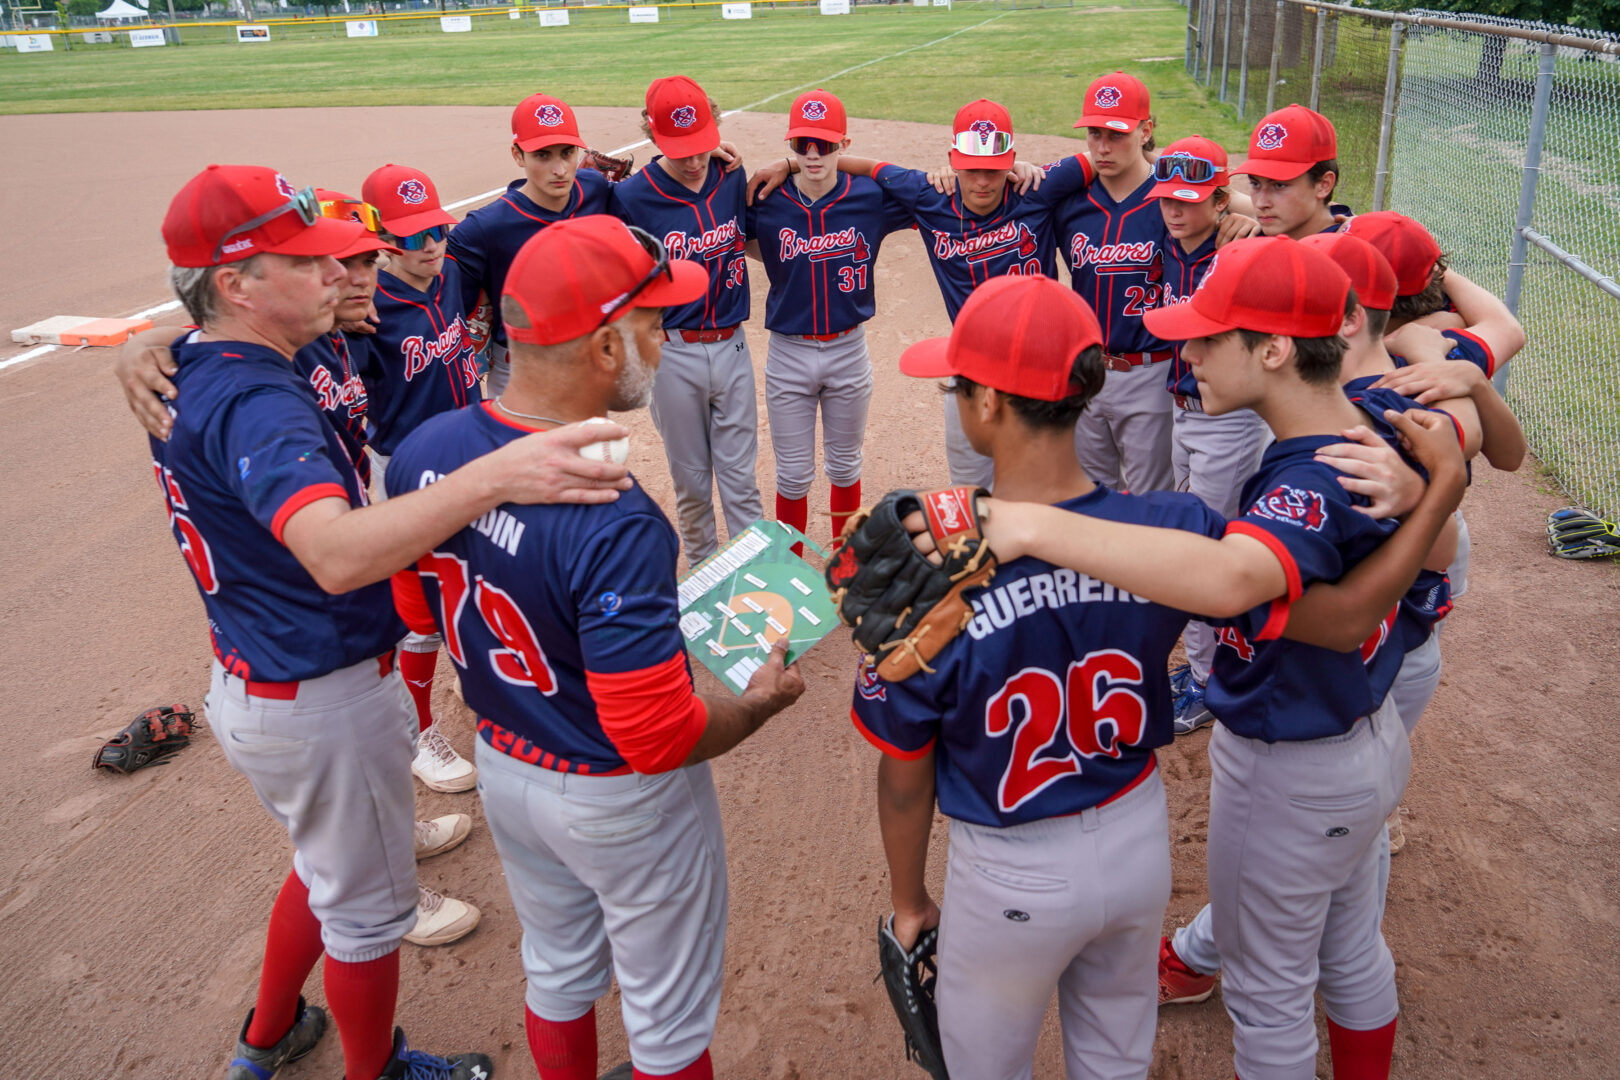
(794, 512)
(418, 668)
(701, 1069)
(844, 502)
(1361, 1055)
(361, 997)
(293, 946)
(563, 1051)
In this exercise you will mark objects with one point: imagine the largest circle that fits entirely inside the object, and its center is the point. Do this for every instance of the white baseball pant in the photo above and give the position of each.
(801, 377)
(1123, 437)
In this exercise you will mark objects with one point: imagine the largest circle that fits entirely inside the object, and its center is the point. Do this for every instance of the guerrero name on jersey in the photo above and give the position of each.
(1054, 698)
(425, 362)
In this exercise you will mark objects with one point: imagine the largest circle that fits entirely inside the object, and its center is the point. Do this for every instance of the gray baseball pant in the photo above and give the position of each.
(703, 406)
(801, 377)
(1458, 571)
(616, 876)
(1075, 903)
(500, 371)
(1212, 457)
(967, 465)
(1123, 437)
(333, 766)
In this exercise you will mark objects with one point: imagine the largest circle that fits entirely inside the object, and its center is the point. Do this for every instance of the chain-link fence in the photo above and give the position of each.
(1503, 137)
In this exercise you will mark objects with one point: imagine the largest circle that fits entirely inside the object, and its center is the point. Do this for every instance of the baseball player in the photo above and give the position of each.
(593, 748)
(818, 237)
(703, 399)
(267, 509)
(1308, 759)
(1211, 456)
(1293, 168)
(425, 364)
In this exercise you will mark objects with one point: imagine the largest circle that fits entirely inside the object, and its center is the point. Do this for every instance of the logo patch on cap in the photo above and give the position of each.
(684, 117)
(413, 191)
(549, 115)
(1191, 196)
(815, 110)
(983, 128)
(1270, 136)
(1108, 97)
(284, 187)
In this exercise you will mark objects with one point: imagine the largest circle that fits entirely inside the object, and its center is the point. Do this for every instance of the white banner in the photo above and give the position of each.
(942, 3)
(736, 11)
(362, 28)
(559, 17)
(643, 14)
(33, 42)
(455, 24)
(835, 7)
(145, 39)
(514, 13)
(98, 37)
(252, 33)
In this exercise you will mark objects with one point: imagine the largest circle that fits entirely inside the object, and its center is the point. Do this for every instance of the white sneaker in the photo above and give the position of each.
(441, 919)
(439, 835)
(439, 766)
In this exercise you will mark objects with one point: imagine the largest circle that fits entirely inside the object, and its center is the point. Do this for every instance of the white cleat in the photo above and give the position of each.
(441, 919)
(439, 766)
(439, 835)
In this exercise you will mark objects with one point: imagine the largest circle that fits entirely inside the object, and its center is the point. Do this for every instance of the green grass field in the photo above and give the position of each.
(1036, 62)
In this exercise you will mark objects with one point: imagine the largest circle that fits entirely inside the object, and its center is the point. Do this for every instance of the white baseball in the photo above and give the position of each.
(614, 450)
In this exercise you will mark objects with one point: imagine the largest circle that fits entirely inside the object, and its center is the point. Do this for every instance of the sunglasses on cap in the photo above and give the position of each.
(353, 210)
(660, 256)
(418, 241)
(801, 144)
(303, 203)
(1191, 168)
(974, 144)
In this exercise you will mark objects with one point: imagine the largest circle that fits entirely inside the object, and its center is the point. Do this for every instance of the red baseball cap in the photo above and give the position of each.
(1118, 102)
(349, 208)
(982, 126)
(1410, 248)
(1370, 273)
(406, 198)
(199, 228)
(1018, 334)
(1268, 284)
(570, 273)
(1286, 143)
(682, 122)
(541, 120)
(817, 115)
(1177, 187)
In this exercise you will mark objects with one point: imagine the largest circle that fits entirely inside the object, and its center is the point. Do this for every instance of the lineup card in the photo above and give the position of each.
(739, 601)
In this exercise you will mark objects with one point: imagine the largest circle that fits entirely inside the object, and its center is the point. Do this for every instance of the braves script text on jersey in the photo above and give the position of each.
(425, 359)
(336, 365)
(1115, 254)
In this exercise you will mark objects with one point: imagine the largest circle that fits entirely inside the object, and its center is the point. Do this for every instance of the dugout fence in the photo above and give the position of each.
(1503, 137)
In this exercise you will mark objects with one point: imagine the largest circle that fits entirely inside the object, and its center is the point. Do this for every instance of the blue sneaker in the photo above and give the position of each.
(408, 1064)
(1178, 680)
(252, 1063)
(1192, 712)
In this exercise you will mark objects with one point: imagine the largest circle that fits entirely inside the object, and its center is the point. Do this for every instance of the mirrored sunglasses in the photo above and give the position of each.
(418, 241)
(353, 210)
(975, 144)
(801, 144)
(303, 203)
(1191, 168)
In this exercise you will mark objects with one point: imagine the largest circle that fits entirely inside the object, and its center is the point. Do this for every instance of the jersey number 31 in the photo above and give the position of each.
(1093, 705)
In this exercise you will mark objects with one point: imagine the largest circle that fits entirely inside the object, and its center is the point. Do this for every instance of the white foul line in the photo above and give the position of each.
(171, 305)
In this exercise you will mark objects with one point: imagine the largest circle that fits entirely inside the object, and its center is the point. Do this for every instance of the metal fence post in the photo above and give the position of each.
(1387, 126)
(1243, 64)
(1191, 68)
(1276, 55)
(1206, 37)
(1226, 47)
(1316, 59)
(1527, 188)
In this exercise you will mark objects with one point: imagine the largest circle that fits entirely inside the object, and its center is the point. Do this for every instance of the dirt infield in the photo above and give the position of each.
(133, 909)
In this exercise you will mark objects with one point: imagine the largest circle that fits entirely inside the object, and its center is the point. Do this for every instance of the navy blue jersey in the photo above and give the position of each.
(966, 249)
(425, 362)
(1182, 273)
(1055, 696)
(1262, 686)
(706, 226)
(532, 598)
(334, 364)
(487, 240)
(1464, 346)
(820, 256)
(1115, 252)
(249, 449)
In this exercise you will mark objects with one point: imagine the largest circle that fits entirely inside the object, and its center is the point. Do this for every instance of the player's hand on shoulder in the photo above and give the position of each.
(766, 179)
(943, 179)
(1418, 343)
(1235, 227)
(367, 325)
(1432, 439)
(143, 369)
(1006, 527)
(1372, 468)
(910, 924)
(1027, 177)
(728, 153)
(1427, 383)
(775, 686)
(546, 467)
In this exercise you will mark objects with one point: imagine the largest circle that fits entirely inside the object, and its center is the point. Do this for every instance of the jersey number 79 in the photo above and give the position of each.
(1093, 703)
(520, 660)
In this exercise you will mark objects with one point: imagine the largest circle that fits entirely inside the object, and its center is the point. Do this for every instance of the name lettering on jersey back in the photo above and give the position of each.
(1121, 258)
(497, 526)
(726, 236)
(421, 353)
(1003, 239)
(848, 241)
(351, 392)
(1000, 607)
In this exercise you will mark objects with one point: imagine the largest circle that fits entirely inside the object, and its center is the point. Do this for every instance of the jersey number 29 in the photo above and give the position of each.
(1093, 705)
(520, 660)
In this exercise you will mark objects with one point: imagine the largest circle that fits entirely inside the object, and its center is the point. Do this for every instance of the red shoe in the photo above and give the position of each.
(1178, 983)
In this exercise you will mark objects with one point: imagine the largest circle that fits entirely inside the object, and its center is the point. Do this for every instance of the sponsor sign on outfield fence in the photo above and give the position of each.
(252, 33)
(643, 14)
(736, 11)
(98, 37)
(361, 27)
(455, 24)
(835, 7)
(146, 39)
(554, 18)
(32, 42)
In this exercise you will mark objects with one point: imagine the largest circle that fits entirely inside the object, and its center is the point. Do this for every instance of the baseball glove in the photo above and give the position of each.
(904, 608)
(611, 167)
(148, 740)
(1574, 532)
(909, 977)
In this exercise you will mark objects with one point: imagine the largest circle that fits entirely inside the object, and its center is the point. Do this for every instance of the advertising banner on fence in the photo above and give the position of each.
(514, 13)
(835, 7)
(643, 14)
(32, 42)
(455, 24)
(554, 18)
(146, 39)
(361, 27)
(736, 11)
(98, 37)
(252, 33)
